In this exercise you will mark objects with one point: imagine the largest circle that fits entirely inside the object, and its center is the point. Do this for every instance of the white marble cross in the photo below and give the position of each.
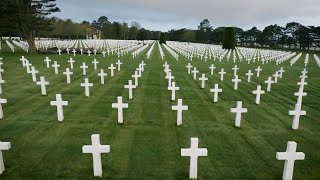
(112, 68)
(89, 52)
(71, 61)
(59, 51)
(59, 103)
(249, 74)
(194, 152)
(3, 146)
(102, 74)
(238, 110)
(56, 66)
(290, 156)
(276, 76)
(173, 90)
(68, 73)
(212, 68)
(96, 149)
(84, 69)
(235, 69)
(194, 71)
(258, 71)
(300, 95)
(87, 86)
(170, 78)
(136, 78)
(179, 108)
(296, 113)
(68, 50)
(189, 66)
(120, 106)
(23, 60)
(258, 93)
(34, 73)
(222, 73)
(43, 84)
(281, 71)
(203, 79)
(130, 86)
(47, 60)
(215, 90)
(104, 53)
(74, 52)
(236, 81)
(95, 62)
(2, 101)
(269, 82)
(119, 64)
(1, 82)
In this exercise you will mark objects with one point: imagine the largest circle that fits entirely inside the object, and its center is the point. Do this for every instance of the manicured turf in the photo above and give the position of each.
(147, 145)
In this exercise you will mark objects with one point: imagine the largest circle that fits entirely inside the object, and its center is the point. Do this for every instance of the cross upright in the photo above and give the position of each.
(290, 156)
(281, 71)
(23, 60)
(173, 90)
(34, 73)
(222, 73)
(74, 52)
(249, 74)
(300, 95)
(258, 71)
(235, 69)
(2, 101)
(296, 113)
(136, 78)
(68, 50)
(236, 81)
(86, 86)
(95, 62)
(102, 74)
(96, 149)
(84, 68)
(47, 60)
(238, 110)
(276, 76)
(59, 103)
(119, 64)
(55, 65)
(104, 53)
(89, 52)
(179, 108)
(71, 61)
(194, 71)
(258, 93)
(203, 79)
(130, 86)
(189, 66)
(269, 82)
(59, 51)
(68, 73)
(120, 106)
(3, 146)
(212, 68)
(215, 90)
(43, 83)
(112, 68)
(169, 77)
(194, 152)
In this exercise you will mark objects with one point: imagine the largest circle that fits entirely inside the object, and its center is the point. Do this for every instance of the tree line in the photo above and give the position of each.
(293, 36)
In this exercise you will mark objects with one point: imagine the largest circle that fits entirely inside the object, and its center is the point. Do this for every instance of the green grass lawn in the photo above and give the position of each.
(147, 145)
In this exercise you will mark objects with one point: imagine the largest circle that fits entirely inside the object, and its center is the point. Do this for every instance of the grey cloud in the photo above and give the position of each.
(168, 14)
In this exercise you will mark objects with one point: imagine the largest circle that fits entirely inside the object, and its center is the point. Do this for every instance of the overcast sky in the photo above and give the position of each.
(164, 15)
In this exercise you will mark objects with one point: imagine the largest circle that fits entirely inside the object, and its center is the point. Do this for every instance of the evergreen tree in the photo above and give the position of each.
(229, 40)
